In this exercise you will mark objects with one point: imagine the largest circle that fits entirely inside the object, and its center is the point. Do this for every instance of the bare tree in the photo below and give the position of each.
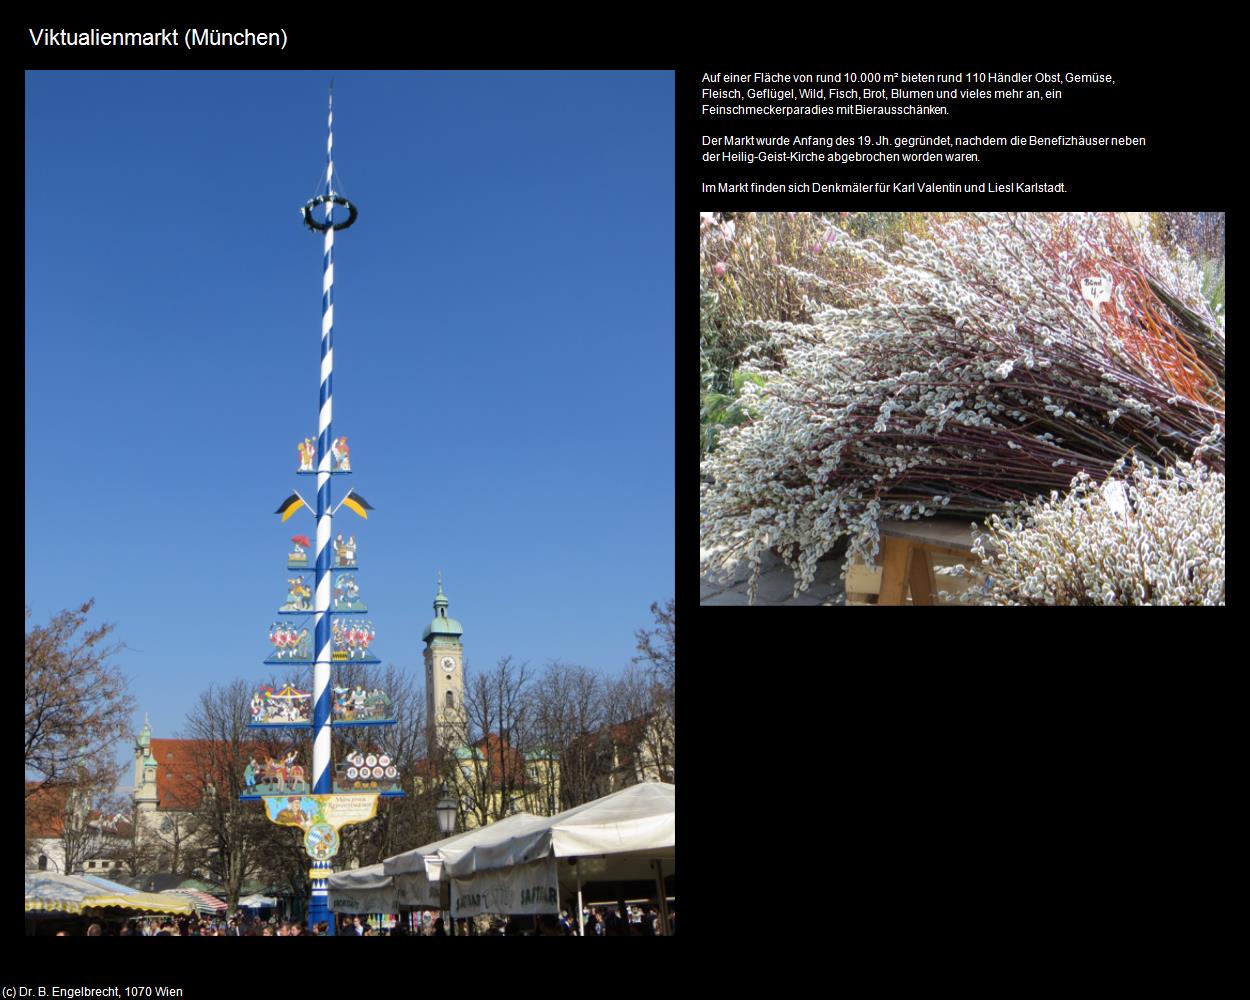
(401, 822)
(492, 770)
(657, 653)
(173, 841)
(86, 831)
(77, 707)
(568, 718)
(133, 848)
(231, 830)
(641, 730)
(658, 658)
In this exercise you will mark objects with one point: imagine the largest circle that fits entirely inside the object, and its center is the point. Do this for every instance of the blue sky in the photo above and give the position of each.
(503, 351)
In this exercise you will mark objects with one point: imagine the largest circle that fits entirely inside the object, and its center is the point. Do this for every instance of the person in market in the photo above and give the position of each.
(549, 926)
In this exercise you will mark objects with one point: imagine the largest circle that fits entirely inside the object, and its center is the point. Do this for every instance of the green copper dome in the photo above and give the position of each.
(441, 627)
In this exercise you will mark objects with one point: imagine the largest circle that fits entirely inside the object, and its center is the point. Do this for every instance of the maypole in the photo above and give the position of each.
(349, 793)
(318, 909)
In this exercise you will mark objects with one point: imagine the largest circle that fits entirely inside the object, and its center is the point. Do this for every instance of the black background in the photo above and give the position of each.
(961, 791)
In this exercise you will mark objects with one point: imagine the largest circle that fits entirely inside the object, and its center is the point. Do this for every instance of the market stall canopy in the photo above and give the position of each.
(628, 827)
(257, 901)
(418, 872)
(139, 902)
(415, 861)
(107, 884)
(53, 891)
(362, 890)
(75, 894)
(202, 901)
(200, 886)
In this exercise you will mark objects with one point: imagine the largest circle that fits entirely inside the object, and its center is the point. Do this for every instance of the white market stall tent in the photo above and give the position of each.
(410, 879)
(418, 872)
(362, 890)
(627, 835)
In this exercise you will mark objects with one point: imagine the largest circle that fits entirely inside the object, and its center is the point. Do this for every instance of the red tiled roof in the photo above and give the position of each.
(180, 769)
(499, 753)
(45, 812)
(179, 766)
(494, 750)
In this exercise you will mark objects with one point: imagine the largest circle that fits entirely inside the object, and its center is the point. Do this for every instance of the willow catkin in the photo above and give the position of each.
(970, 374)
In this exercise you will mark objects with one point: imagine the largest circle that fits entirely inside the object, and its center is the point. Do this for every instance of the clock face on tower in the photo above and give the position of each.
(449, 664)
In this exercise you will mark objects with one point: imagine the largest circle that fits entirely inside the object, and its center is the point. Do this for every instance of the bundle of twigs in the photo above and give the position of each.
(972, 374)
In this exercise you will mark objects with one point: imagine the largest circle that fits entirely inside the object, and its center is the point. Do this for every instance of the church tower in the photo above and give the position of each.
(145, 772)
(444, 677)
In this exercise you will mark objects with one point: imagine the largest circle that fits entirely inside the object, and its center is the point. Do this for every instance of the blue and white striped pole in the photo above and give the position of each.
(318, 909)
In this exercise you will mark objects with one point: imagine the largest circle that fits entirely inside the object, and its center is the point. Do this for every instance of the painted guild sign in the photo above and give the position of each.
(274, 707)
(298, 597)
(344, 553)
(352, 637)
(1097, 289)
(297, 558)
(347, 594)
(290, 645)
(367, 772)
(340, 460)
(284, 775)
(306, 811)
(357, 705)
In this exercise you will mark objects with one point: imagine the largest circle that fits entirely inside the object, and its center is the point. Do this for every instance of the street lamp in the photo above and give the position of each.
(445, 810)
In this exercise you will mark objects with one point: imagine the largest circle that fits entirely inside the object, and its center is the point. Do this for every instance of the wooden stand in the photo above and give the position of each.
(907, 548)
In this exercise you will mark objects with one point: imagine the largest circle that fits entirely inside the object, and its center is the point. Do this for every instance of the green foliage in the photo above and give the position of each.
(1213, 284)
(724, 409)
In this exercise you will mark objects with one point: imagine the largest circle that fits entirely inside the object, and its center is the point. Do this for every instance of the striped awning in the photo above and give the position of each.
(146, 902)
(64, 905)
(202, 901)
(53, 891)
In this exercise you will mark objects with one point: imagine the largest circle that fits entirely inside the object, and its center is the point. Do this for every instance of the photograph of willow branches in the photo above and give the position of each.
(1050, 385)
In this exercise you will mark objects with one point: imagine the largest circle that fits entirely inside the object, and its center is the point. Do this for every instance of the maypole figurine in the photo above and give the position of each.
(319, 811)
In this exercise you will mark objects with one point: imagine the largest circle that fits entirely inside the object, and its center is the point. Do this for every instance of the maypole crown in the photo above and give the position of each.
(321, 227)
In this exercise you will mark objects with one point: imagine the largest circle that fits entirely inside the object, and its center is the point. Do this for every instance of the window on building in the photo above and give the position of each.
(43, 862)
(451, 700)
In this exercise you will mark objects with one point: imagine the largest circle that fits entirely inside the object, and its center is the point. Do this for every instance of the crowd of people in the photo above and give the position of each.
(634, 921)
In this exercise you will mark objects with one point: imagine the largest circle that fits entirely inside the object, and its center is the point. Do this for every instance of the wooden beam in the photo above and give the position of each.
(920, 577)
(894, 570)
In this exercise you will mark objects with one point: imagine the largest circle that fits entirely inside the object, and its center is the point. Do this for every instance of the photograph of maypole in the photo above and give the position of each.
(369, 654)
